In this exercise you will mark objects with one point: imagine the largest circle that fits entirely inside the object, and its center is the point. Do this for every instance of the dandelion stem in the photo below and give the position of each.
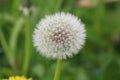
(58, 70)
(27, 45)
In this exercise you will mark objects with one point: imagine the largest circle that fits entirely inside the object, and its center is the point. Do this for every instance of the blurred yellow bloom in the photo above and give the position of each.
(18, 78)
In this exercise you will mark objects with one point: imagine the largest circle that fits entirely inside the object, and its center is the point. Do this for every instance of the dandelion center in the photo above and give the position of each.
(59, 35)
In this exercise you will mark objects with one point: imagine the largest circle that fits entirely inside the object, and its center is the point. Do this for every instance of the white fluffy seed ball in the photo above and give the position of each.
(59, 36)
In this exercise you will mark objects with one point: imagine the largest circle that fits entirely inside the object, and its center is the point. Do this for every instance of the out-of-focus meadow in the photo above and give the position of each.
(98, 60)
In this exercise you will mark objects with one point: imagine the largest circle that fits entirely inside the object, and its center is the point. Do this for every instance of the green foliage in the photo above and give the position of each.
(98, 60)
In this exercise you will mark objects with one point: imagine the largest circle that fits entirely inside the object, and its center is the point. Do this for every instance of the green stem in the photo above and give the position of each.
(6, 48)
(27, 45)
(58, 70)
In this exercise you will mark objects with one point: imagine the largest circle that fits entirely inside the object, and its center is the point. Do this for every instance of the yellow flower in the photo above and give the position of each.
(18, 78)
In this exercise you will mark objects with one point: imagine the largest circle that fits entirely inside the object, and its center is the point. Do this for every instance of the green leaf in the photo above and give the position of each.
(14, 36)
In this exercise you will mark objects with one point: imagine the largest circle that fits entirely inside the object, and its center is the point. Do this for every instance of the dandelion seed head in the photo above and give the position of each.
(59, 36)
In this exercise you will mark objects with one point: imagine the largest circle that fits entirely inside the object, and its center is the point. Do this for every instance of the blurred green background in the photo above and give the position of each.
(98, 60)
